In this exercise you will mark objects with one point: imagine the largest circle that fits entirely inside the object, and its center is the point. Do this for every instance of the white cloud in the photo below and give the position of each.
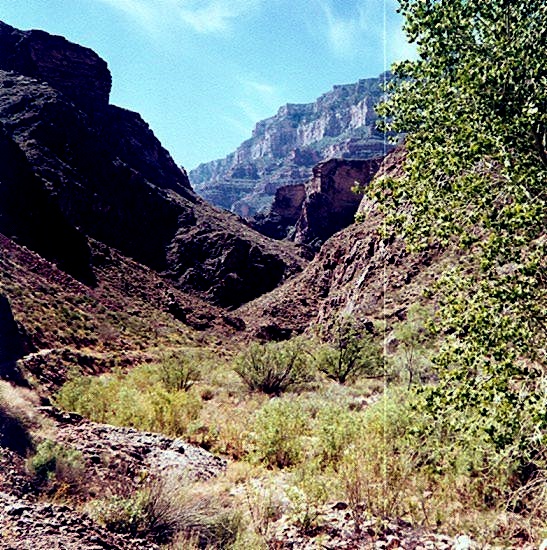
(203, 16)
(258, 99)
(342, 32)
(266, 90)
(364, 26)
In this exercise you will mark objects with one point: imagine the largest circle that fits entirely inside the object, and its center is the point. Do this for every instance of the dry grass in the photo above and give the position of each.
(19, 419)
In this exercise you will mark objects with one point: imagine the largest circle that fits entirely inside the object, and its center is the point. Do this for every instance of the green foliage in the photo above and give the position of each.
(274, 367)
(179, 371)
(120, 514)
(352, 353)
(138, 399)
(278, 430)
(56, 466)
(336, 429)
(474, 105)
(414, 339)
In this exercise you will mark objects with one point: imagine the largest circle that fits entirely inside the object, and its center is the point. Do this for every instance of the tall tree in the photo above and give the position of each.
(474, 106)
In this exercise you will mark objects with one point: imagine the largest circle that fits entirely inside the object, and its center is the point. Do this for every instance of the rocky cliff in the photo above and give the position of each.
(78, 170)
(311, 213)
(357, 272)
(284, 148)
(78, 72)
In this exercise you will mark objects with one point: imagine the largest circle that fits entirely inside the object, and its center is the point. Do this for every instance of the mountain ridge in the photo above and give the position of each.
(102, 174)
(284, 148)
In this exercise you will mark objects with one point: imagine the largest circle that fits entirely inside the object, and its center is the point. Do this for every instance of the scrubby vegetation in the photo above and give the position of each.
(274, 368)
(352, 353)
(369, 443)
(155, 397)
(57, 470)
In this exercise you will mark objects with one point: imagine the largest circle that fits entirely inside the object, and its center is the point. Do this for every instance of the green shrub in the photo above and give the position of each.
(279, 428)
(179, 371)
(57, 467)
(351, 353)
(274, 367)
(336, 429)
(120, 514)
(137, 399)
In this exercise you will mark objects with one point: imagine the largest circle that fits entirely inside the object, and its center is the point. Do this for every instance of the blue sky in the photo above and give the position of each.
(203, 72)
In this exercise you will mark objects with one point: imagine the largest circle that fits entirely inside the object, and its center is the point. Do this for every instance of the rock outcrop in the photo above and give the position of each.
(12, 345)
(309, 214)
(279, 221)
(284, 148)
(78, 168)
(356, 272)
(332, 199)
(115, 463)
(78, 72)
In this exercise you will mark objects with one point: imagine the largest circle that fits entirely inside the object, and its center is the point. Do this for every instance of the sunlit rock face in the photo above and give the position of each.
(284, 148)
(310, 213)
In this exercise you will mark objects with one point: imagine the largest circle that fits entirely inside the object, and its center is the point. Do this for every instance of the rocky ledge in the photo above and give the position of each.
(117, 462)
(310, 214)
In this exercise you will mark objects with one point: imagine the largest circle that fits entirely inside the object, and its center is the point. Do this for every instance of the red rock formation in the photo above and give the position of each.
(331, 199)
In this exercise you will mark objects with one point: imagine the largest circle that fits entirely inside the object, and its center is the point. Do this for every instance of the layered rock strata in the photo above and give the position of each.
(284, 148)
(309, 214)
(357, 272)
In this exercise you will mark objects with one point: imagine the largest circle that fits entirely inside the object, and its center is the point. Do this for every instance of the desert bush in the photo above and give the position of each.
(307, 494)
(168, 511)
(211, 521)
(350, 354)
(153, 512)
(179, 371)
(336, 428)
(277, 437)
(275, 367)
(262, 506)
(137, 399)
(120, 514)
(57, 468)
(228, 433)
